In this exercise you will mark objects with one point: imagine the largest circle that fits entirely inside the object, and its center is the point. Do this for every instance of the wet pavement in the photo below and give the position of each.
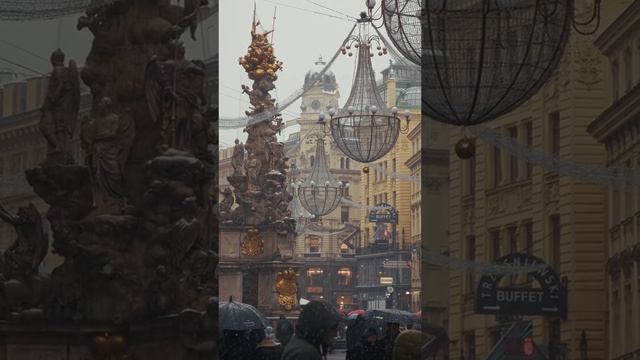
(337, 355)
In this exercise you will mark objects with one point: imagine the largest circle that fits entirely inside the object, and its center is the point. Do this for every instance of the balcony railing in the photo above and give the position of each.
(378, 248)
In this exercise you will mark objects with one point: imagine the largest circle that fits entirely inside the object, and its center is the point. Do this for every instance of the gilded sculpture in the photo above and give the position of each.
(287, 288)
(252, 245)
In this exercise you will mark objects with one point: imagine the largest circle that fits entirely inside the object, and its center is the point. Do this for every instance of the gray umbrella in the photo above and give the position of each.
(237, 316)
(392, 316)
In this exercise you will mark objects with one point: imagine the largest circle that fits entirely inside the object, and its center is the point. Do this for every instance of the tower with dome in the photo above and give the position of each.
(330, 268)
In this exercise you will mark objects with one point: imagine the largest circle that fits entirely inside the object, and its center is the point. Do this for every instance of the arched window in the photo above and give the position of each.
(312, 160)
(347, 164)
(341, 163)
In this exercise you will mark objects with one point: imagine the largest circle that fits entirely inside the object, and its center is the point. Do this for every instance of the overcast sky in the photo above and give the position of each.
(303, 31)
(30, 43)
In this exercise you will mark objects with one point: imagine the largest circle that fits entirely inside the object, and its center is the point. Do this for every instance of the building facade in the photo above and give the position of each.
(329, 270)
(618, 128)
(500, 204)
(384, 251)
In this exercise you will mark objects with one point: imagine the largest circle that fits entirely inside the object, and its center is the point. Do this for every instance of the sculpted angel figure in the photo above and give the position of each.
(237, 160)
(30, 247)
(60, 109)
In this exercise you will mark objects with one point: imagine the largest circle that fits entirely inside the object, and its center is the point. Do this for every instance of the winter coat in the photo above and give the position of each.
(284, 331)
(299, 349)
(268, 349)
(408, 345)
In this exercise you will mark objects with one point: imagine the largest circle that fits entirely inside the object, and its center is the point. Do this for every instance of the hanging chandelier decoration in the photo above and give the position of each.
(364, 129)
(481, 59)
(320, 194)
(299, 214)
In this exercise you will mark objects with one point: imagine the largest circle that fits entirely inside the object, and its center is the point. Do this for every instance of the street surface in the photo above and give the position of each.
(337, 355)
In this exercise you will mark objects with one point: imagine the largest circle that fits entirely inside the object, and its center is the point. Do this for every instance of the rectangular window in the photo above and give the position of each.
(471, 257)
(393, 162)
(497, 166)
(394, 199)
(386, 171)
(495, 244)
(344, 214)
(314, 244)
(554, 221)
(472, 176)
(528, 229)
(470, 346)
(554, 128)
(528, 130)
(513, 240)
(513, 159)
(17, 163)
(615, 74)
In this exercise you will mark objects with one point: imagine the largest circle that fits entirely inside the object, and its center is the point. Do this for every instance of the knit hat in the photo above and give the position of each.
(408, 345)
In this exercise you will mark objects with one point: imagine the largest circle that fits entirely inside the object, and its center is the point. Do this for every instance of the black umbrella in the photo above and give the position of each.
(236, 316)
(392, 316)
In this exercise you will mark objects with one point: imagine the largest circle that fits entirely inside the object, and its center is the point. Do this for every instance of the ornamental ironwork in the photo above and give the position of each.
(481, 59)
(364, 129)
(320, 194)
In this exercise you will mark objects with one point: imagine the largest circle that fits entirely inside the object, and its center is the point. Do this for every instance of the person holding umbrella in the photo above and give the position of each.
(316, 328)
(238, 324)
(354, 330)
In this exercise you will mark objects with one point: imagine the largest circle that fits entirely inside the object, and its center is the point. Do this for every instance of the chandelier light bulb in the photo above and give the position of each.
(351, 109)
(371, 4)
(321, 116)
(394, 110)
(374, 109)
(327, 183)
(313, 183)
(407, 114)
(346, 185)
(332, 112)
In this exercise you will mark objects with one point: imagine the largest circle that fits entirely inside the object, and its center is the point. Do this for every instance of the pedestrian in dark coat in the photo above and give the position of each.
(284, 330)
(368, 347)
(315, 330)
(268, 348)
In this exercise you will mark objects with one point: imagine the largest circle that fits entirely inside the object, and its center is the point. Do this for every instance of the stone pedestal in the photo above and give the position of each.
(252, 279)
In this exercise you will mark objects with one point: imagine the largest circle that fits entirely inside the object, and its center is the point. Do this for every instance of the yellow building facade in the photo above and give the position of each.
(500, 204)
(618, 128)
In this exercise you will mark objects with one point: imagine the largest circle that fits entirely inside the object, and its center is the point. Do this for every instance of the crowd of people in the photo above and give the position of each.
(313, 334)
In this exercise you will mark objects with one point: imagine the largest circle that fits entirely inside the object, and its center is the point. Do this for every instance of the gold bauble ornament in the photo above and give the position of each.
(466, 148)
(365, 169)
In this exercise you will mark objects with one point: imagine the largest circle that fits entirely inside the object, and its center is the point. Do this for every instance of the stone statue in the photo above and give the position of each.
(237, 160)
(174, 89)
(106, 138)
(227, 201)
(60, 110)
(30, 247)
(253, 167)
(21, 285)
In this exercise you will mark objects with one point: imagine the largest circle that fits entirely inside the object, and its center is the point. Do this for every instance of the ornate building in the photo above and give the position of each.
(618, 128)
(384, 249)
(500, 204)
(330, 267)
